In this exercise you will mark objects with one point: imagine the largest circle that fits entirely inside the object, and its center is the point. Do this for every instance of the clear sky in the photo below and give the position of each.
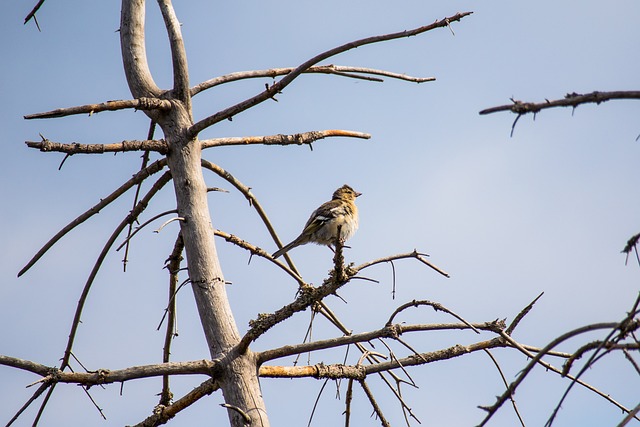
(548, 209)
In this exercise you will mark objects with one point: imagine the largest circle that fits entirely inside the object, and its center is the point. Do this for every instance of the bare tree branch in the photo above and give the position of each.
(139, 177)
(162, 414)
(134, 52)
(173, 266)
(415, 254)
(569, 100)
(33, 12)
(260, 252)
(159, 146)
(535, 359)
(294, 139)
(389, 331)
(135, 212)
(277, 87)
(178, 54)
(146, 104)
(345, 71)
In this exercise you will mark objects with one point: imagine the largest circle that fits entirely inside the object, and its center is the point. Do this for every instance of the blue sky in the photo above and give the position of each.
(548, 209)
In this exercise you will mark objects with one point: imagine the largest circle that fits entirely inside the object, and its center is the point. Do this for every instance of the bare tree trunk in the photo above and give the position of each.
(239, 378)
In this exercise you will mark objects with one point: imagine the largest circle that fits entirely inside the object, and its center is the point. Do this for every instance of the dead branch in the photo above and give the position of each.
(570, 100)
(174, 267)
(137, 178)
(178, 54)
(436, 306)
(144, 224)
(145, 162)
(389, 331)
(277, 87)
(145, 104)
(351, 72)
(105, 376)
(260, 252)
(374, 404)
(535, 359)
(132, 216)
(32, 14)
(308, 296)
(520, 316)
(294, 139)
(415, 254)
(159, 146)
(162, 414)
(253, 201)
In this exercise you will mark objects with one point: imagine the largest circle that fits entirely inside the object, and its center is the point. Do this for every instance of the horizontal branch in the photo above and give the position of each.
(346, 71)
(45, 145)
(106, 376)
(278, 86)
(293, 139)
(211, 368)
(390, 331)
(160, 146)
(138, 104)
(570, 100)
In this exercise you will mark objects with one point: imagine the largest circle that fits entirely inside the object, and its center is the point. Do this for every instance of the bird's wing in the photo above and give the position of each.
(326, 212)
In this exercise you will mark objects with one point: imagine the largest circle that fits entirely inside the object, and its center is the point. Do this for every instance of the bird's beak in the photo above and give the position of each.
(358, 194)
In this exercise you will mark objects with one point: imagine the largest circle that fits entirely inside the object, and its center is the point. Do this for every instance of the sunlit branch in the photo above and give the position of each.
(138, 104)
(293, 139)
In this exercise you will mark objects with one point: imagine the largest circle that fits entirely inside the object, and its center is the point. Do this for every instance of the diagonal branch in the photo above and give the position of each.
(139, 177)
(134, 52)
(132, 216)
(491, 410)
(178, 54)
(145, 104)
(345, 71)
(277, 87)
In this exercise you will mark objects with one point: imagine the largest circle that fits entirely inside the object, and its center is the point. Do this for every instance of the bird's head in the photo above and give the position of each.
(345, 193)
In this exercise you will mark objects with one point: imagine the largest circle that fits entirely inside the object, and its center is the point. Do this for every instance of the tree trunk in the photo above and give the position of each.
(239, 378)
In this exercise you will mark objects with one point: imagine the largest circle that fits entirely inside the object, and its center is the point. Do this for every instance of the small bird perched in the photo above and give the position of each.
(322, 226)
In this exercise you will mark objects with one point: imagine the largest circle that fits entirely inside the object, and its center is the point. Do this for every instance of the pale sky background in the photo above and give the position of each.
(546, 210)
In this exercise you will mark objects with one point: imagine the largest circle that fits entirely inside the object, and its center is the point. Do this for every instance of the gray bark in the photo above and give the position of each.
(239, 379)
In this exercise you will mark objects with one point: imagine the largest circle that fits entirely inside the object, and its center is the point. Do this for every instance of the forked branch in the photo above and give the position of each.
(352, 72)
(278, 86)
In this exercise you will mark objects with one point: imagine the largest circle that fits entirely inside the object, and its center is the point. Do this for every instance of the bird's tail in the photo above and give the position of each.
(286, 248)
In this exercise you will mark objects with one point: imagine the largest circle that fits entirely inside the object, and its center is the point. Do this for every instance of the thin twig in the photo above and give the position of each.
(436, 306)
(414, 254)
(506, 384)
(144, 224)
(374, 404)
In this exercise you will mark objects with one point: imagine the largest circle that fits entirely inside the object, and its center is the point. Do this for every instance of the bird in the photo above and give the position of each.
(322, 226)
